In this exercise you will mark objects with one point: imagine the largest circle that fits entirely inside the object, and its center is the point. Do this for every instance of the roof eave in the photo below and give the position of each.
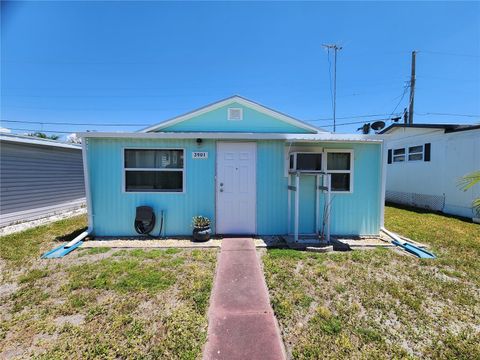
(236, 136)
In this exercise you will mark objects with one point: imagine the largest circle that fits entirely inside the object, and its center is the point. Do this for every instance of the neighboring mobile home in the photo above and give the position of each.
(38, 178)
(230, 161)
(426, 162)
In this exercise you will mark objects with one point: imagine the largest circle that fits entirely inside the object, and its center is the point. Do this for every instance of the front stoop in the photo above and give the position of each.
(241, 321)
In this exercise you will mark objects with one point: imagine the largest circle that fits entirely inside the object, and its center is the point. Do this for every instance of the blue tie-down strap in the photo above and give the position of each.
(61, 251)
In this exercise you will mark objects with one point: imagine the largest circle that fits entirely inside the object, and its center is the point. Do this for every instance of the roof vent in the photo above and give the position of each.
(235, 114)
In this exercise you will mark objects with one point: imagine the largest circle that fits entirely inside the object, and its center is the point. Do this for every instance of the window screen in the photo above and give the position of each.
(415, 153)
(399, 155)
(339, 166)
(154, 170)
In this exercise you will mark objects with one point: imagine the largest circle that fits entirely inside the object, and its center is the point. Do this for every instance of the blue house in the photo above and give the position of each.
(250, 169)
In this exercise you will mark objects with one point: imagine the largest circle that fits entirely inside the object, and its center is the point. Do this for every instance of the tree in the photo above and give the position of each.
(467, 182)
(74, 139)
(44, 136)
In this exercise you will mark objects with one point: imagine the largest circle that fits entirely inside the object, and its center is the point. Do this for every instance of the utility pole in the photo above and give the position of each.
(412, 89)
(335, 48)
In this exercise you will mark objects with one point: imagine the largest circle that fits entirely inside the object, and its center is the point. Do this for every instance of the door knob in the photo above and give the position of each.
(221, 190)
(221, 184)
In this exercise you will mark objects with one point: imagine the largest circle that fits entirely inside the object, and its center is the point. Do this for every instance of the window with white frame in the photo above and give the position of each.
(339, 165)
(154, 170)
(399, 155)
(415, 153)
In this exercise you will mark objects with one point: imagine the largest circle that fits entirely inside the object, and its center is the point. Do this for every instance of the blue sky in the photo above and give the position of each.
(139, 63)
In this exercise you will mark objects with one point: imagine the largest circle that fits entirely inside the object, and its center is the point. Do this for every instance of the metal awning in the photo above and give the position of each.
(320, 137)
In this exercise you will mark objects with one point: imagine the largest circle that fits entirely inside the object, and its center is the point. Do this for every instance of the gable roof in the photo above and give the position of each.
(234, 99)
(448, 128)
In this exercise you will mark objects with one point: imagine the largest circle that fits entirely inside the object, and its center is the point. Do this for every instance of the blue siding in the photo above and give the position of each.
(253, 121)
(271, 188)
(114, 210)
(356, 213)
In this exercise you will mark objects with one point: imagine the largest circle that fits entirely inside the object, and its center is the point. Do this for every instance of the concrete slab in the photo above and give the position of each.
(240, 291)
(236, 244)
(151, 244)
(243, 336)
(241, 321)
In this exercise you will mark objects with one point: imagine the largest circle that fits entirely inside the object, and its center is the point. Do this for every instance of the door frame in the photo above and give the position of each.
(218, 143)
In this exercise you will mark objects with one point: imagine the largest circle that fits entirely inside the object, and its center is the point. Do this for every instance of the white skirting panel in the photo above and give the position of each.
(431, 202)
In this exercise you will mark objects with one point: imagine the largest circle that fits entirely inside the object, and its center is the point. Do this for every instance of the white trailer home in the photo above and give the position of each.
(425, 163)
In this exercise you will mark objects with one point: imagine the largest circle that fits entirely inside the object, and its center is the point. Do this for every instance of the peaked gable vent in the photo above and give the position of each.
(235, 114)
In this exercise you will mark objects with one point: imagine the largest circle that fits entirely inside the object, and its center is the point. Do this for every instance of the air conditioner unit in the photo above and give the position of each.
(305, 161)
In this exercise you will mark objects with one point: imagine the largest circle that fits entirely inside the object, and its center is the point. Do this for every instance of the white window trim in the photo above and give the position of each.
(351, 171)
(236, 109)
(124, 171)
(405, 155)
(422, 152)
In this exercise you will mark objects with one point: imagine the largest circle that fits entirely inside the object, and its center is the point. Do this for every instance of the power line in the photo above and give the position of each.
(336, 49)
(351, 117)
(46, 131)
(405, 88)
(353, 123)
(131, 124)
(65, 123)
(449, 114)
(448, 53)
(74, 131)
(92, 109)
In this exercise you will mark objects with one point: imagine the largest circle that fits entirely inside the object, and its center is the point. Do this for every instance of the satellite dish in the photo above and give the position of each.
(378, 125)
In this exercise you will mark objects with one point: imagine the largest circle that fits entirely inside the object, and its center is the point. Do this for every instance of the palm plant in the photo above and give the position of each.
(466, 182)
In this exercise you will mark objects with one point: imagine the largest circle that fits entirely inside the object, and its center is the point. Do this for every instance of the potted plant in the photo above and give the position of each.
(201, 228)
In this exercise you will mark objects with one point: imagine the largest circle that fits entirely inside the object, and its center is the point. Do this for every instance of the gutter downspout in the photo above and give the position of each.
(89, 230)
(383, 167)
(392, 235)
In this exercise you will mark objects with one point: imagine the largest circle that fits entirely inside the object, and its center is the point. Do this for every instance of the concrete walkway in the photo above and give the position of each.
(241, 321)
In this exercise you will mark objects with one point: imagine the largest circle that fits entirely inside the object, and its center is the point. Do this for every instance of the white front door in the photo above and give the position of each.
(236, 188)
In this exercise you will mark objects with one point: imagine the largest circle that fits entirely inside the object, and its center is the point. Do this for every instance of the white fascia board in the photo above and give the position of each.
(234, 99)
(25, 140)
(235, 136)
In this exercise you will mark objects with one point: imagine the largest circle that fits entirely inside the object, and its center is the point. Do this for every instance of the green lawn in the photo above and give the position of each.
(378, 304)
(101, 303)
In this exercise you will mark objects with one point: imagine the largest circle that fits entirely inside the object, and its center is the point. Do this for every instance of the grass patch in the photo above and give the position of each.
(94, 251)
(25, 245)
(127, 304)
(380, 304)
(33, 275)
(122, 276)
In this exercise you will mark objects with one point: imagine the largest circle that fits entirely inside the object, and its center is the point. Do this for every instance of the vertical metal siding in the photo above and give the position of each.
(114, 209)
(271, 188)
(356, 213)
(253, 121)
(36, 176)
